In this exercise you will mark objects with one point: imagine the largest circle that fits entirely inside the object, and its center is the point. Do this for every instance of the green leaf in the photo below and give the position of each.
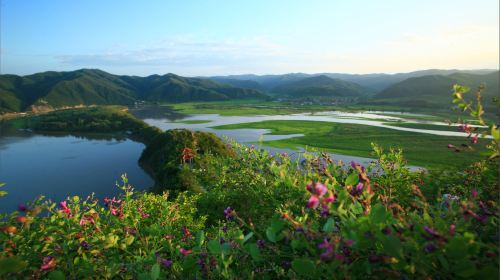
(378, 214)
(357, 208)
(352, 179)
(155, 271)
(214, 247)
(392, 246)
(56, 275)
(304, 267)
(271, 235)
(328, 227)
(247, 237)
(12, 264)
(254, 252)
(200, 237)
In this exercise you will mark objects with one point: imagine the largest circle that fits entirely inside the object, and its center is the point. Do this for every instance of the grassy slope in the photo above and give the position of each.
(351, 139)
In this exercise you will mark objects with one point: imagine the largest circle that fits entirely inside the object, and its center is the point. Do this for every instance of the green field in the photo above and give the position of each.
(352, 139)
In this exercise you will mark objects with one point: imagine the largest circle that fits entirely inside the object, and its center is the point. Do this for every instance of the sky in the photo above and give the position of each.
(223, 37)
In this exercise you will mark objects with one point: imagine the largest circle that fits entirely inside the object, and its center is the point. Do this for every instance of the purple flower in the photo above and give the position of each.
(166, 263)
(432, 232)
(84, 244)
(429, 248)
(22, 207)
(229, 213)
(261, 244)
(328, 250)
(324, 210)
(358, 190)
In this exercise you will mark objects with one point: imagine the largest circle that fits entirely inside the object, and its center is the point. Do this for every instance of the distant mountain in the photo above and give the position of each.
(248, 84)
(376, 82)
(320, 86)
(90, 86)
(435, 90)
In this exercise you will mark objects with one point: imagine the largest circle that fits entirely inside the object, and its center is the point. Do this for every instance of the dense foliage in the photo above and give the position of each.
(267, 218)
(93, 119)
(163, 158)
(433, 91)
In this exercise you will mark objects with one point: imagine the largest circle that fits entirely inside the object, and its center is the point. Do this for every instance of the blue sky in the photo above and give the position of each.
(235, 37)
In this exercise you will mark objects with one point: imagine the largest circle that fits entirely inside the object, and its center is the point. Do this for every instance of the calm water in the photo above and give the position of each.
(59, 166)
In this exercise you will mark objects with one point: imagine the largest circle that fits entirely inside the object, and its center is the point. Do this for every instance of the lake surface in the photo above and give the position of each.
(59, 166)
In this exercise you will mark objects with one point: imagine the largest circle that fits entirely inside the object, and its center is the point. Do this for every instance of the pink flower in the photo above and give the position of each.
(451, 231)
(64, 208)
(473, 140)
(330, 198)
(313, 202)
(185, 252)
(474, 193)
(48, 263)
(320, 189)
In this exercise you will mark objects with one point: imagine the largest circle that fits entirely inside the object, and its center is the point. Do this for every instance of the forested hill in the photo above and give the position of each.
(91, 86)
(434, 90)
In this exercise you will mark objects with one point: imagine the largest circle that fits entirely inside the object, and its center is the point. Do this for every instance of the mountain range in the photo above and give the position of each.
(92, 86)
(429, 88)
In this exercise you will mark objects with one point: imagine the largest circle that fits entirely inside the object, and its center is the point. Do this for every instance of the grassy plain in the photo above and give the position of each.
(420, 149)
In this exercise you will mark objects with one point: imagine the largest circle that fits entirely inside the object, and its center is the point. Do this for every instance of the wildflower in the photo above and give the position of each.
(166, 263)
(474, 139)
(48, 263)
(432, 234)
(261, 244)
(9, 229)
(185, 252)
(429, 248)
(22, 219)
(358, 190)
(330, 198)
(187, 154)
(474, 193)
(313, 202)
(320, 189)
(451, 231)
(84, 244)
(64, 208)
(229, 213)
(22, 207)
(328, 250)
(324, 210)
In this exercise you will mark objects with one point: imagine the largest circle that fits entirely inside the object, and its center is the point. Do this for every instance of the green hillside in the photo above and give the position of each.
(433, 91)
(91, 86)
(320, 86)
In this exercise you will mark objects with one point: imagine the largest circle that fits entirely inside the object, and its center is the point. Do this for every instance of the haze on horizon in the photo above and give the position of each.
(196, 38)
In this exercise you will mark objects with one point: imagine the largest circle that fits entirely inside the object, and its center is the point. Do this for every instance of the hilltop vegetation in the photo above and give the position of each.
(434, 91)
(95, 87)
